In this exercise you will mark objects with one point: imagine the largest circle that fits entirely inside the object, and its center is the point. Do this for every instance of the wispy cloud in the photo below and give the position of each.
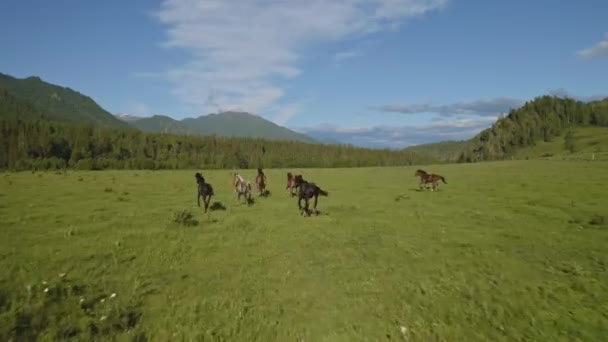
(344, 55)
(485, 107)
(600, 50)
(400, 137)
(241, 50)
(139, 109)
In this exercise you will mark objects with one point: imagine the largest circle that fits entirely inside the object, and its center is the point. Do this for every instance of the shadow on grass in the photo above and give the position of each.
(215, 206)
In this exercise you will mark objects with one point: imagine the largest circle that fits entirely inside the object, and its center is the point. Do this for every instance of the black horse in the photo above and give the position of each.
(306, 191)
(205, 190)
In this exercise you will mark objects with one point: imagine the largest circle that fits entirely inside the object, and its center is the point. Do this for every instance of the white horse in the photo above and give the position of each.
(241, 187)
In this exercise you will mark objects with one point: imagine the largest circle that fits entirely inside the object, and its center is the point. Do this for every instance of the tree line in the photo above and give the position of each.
(44, 145)
(544, 118)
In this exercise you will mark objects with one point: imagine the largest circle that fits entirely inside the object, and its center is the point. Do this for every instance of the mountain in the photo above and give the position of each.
(229, 124)
(157, 124)
(51, 102)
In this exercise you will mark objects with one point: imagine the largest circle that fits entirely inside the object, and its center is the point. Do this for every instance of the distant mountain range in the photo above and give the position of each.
(33, 98)
(230, 124)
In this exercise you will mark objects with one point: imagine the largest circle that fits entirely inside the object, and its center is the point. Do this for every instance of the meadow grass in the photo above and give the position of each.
(506, 251)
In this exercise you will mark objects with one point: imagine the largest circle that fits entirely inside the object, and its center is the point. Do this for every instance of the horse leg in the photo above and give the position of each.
(207, 199)
(198, 199)
(315, 204)
(306, 209)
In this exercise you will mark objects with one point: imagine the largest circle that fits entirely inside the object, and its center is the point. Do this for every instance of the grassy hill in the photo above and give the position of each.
(34, 98)
(228, 124)
(588, 142)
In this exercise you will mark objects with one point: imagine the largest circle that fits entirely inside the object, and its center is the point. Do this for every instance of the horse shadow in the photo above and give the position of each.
(401, 197)
(215, 206)
(424, 190)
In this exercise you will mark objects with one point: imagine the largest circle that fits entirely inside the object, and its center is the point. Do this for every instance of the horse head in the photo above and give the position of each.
(420, 172)
(199, 178)
(298, 179)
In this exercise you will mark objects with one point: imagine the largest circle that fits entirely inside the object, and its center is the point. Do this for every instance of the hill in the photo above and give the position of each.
(584, 143)
(540, 120)
(34, 98)
(228, 124)
(537, 123)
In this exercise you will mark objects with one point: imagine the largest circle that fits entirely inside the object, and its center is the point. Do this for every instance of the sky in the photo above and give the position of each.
(377, 73)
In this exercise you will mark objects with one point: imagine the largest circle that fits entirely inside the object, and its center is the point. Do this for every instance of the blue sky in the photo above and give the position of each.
(385, 73)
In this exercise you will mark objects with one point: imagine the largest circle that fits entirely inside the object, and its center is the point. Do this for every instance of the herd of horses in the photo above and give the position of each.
(296, 185)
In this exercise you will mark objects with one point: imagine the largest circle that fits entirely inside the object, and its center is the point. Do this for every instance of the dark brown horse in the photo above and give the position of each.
(306, 192)
(291, 183)
(429, 178)
(205, 190)
(260, 182)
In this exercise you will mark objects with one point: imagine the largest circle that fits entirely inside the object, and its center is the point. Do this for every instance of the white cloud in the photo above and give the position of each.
(285, 113)
(139, 109)
(241, 49)
(400, 136)
(484, 107)
(600, 50)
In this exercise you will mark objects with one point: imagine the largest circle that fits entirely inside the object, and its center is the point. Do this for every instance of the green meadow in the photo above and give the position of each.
(513, 250)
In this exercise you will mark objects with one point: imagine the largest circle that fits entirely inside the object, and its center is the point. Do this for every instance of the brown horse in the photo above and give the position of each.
(426, 178)
(292, 186)
(260, 182)
(306, 192)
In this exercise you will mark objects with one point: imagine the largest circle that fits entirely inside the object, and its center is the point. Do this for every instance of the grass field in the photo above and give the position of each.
(512, 250)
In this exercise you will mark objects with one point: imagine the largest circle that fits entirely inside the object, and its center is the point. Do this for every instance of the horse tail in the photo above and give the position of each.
(323, 192)
(443, 179)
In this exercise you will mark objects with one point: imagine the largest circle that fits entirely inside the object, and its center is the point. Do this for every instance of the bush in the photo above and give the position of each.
(184, 218)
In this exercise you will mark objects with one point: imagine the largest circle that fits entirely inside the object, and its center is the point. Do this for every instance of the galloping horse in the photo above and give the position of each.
(306, 192)
(260, 182)
(291, 183)
(241, 187)
(205, 190)
(426, 178)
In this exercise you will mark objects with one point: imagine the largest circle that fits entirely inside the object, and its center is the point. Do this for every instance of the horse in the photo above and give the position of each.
(242, 187)
(306, 192)
(426, 178)
(260, 182)
(291, 183)
(205, 190)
